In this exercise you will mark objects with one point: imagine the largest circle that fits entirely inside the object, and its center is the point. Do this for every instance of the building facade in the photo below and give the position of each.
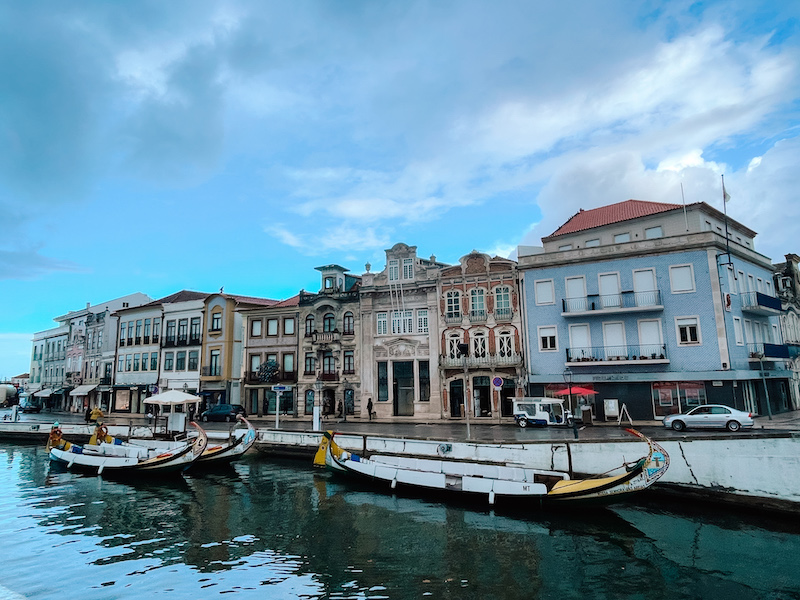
(399, 344)
(651, 307)
(329, 345)
(480, 338)
(271, 334)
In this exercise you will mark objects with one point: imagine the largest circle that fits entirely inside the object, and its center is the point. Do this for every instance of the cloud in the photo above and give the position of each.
(30, 265)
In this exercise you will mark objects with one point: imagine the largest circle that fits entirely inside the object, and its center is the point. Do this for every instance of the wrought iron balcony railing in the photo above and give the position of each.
(640, 353)
(622, 302)
(760, 304)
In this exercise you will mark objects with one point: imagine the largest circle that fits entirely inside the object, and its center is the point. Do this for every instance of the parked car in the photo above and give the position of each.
(710, 415)
(30, 404)
(541, 411)
(223, 412)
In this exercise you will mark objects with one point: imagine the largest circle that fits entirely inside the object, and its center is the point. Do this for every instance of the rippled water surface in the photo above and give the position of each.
(280, 529)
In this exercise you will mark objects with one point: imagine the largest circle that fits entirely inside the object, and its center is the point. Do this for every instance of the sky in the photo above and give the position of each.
(158, 146)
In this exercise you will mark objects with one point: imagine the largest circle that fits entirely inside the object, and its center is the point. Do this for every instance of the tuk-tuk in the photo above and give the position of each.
(30, 404)
(541, 411)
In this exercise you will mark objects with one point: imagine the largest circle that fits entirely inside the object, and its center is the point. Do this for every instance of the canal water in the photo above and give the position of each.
(281, 529)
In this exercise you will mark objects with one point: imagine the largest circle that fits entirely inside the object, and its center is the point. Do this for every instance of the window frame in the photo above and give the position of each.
(673, 269)
(696, 319)
(539, 330)
(536, 297)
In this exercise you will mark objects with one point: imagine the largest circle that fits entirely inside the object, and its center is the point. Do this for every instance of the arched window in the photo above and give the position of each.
(505, 345)
(309, 324)
(348, 323)
(479, 344)
(328, 322)
(453, 341)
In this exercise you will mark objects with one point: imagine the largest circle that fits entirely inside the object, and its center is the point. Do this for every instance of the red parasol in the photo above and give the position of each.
(576, 391)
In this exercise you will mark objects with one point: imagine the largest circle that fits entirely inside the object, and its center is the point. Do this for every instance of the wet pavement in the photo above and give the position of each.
(448, 430)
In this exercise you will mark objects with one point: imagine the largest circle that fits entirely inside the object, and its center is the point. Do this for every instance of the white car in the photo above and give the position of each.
(710, 415)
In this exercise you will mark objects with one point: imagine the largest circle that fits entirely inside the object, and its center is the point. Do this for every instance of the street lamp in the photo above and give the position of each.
(567, 374)
(317, 424)
(760, 356)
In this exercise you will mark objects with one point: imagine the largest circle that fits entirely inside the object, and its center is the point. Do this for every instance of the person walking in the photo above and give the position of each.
(369, 408)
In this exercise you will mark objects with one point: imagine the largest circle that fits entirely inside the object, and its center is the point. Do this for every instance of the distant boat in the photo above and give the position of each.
(496, 481)
(122, 459)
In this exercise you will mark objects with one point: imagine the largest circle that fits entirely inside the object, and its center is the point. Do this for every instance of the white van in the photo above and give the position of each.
(541, 411)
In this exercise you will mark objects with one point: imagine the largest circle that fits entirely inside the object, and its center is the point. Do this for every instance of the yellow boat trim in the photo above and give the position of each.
(571, 486)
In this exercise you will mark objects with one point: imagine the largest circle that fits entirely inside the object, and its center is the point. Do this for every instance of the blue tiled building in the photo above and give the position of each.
(651, 306)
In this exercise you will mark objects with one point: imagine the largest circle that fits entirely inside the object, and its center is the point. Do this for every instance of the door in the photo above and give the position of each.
(576, 294)
(650, 345)
(609, 290)
(580, 343)
(403, 388)
(614, 341)
(457, 398)
(644, 288)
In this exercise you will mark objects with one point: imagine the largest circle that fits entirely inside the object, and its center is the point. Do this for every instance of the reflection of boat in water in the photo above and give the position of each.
(109, 456)
(496, 481)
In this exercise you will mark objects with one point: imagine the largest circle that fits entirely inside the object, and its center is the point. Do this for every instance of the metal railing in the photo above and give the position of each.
(767, 350)
(621, 301)
(490, 360)
(503, 314)
(453, 318)
(211, 371)
(756, 301)
(628, 352)
(477, 316)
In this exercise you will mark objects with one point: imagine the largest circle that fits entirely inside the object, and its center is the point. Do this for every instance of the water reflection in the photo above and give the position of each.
(282, 530)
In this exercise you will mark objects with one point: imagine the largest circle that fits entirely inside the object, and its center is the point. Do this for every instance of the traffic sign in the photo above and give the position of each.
(497, 382)
(281, 388)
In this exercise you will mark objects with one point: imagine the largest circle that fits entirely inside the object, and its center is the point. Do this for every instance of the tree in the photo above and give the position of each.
(268, 372)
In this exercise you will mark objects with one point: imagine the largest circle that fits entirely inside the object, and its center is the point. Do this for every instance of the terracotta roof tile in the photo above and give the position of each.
(613, 213)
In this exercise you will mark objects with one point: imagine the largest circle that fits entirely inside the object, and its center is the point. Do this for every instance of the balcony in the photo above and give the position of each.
(477, 316)
(503, 314)
(329, 376)
(169, 342)
(767, 352)
(214, 371)
(760, 304)
(155, 339)
(478, 362)
(138, 341)
(195, 340)
(453, 319)
(623, 302)
(630, 354)
(183, 340)
(324, 337)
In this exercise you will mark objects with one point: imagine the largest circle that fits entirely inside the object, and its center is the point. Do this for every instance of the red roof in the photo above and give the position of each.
(293, 301)
(613, 213)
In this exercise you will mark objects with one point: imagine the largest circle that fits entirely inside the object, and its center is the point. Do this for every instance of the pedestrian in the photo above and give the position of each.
(88, 414)
(369, 408)
(95, 414)
(339, 409)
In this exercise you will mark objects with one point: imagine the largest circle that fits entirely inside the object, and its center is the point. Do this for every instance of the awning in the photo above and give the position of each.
(45, 393)
(82, 390)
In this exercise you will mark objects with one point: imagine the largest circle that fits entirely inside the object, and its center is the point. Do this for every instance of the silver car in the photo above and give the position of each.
(710, 415)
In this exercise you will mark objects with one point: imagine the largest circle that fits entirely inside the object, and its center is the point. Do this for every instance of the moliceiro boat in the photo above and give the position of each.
(105, 455)
(497, 481)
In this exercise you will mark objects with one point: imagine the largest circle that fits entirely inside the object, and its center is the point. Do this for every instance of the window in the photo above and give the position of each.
(288, 326)
(383, 382)
(652, 233)
(123, 328)
(453, 304)
(402, 321)
(422, 321)
(216, 321)
(272, 327)
(194, 357)
(349, 361)
(147, 331)
(171, 331)
(688, 331)
(168, 358)
(544, 291)
(156, 329)
(621, 238)
(479, 344)
(328, 322)
(592, 243)
(130, 334)
(309, 324)
(502, 301)
(288, 364)
(737, 331)
(121, 364)
(145, 356)
(348, 323)
(255, 328)
(382, 325)
(547, 339)
(477, 303)
(424, 381)
(452, 345)
(128, 361)
(731, 281)
(681, 279)
(183, 330)
(180, 361)
(504, 344)
(255, 363)
(153, 361)
(740, 280)
(309, 363)
(565, 247)
(328, 364)
(408, 268)
(394, 270)
(759, 284)
(136, 359)
(138, 331)
(328, 283)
